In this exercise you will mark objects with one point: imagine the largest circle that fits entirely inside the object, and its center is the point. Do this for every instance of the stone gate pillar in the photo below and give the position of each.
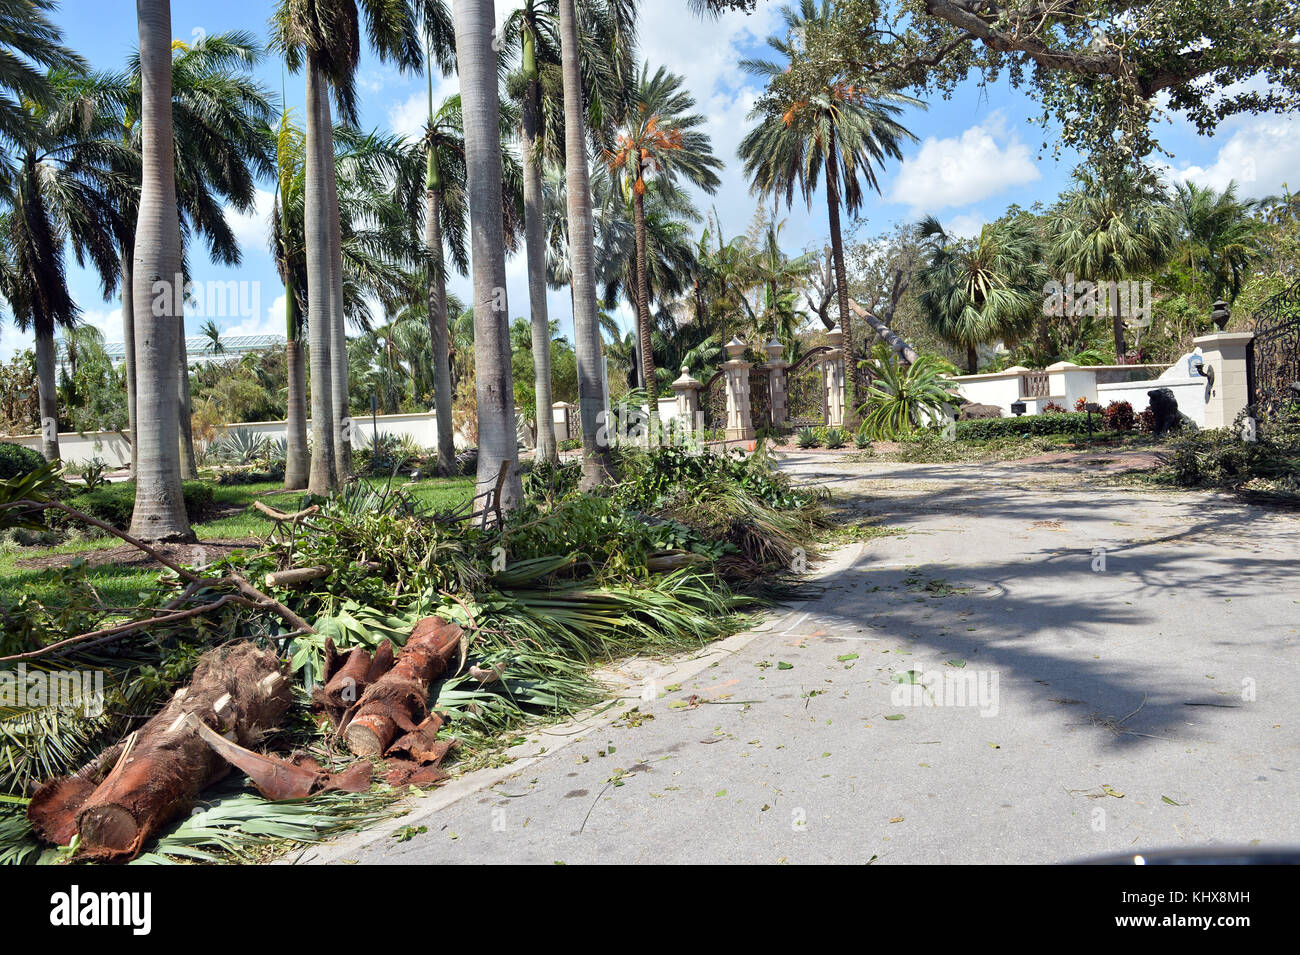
(740, 426)
(776, 383)
(834, 367)
(1225, 353)
(688, 399)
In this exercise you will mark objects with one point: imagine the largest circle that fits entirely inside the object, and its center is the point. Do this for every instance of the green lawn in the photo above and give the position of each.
(121, 586)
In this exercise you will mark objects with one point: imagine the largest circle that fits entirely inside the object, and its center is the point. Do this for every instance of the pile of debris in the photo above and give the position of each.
(238, 696)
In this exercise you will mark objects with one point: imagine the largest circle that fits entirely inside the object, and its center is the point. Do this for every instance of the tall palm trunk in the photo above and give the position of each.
(648, 377)
(586, 320)
(837, 239)
(1117, 328)
(316, 222)
(341, 420)
(47, 387)
(438, 334)
(159, 502)
(128, 344)
(189, 466)
(972, 360)
(295, 444)
(535, 245)
(494, 388)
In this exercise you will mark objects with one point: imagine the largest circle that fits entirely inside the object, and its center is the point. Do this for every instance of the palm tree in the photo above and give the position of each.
(60, 194)
(444, 231)
(213, 334)
(159, 503)
(974, 293)
(535, 35)
(30, 54)
(582, 256)
(1219, 236)
(494, 387)
(1109, 228)
(323, 38)
(376, 245)
(780, 277)
(659, 139)
(443, 190)
(845, 131)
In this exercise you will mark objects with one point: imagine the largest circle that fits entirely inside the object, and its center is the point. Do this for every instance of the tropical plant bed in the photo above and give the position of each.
(404, 636)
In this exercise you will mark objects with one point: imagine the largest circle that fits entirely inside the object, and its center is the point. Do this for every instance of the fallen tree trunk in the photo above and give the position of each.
(238, 691)
(399, 698)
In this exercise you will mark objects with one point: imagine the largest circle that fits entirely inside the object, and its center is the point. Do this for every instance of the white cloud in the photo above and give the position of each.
(269, 323)
(960, 170)
(1259, 156)
(252, 228)
(966, 226)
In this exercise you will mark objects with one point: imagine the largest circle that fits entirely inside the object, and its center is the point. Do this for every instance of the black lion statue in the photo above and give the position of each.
(1164, 411)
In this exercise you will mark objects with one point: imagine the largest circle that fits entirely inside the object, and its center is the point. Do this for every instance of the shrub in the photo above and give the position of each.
(1052, 408)
(836, 438)
(17, 460)
(981, 429)
(1220, 458)
(808, 438)
(902, 397)
(1119, 416)
(570, 444)
(113, 503)
(1080, 404)
(1147, 421)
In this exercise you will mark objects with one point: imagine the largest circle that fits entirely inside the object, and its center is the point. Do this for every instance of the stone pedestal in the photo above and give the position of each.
(688, 399)
(740, 426)
(776, 383)
(835, 382)
(1225, 352)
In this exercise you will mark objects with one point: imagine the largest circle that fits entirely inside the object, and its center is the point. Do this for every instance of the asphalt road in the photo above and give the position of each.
(1035, 669)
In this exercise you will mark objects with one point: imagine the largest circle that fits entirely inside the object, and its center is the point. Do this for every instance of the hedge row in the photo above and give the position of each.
(17, 460)
(113, 503)
(1070, 422)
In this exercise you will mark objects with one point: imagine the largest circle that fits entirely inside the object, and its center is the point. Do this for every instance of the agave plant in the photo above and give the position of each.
(807, 438)
(240, 447)
(836, 438)
(902, 397)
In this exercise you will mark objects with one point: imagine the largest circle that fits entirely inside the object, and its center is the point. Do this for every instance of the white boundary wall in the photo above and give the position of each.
(114, 449)
(1067, 383)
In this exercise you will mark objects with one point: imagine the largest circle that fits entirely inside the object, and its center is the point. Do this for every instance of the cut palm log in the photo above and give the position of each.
(400, 698)
(346, 681)
(238, 691)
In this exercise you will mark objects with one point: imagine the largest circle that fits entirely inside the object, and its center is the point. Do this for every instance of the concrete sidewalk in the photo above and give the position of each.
(1116, 670)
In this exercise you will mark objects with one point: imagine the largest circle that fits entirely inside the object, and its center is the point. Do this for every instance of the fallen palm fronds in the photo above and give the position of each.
(522, 613)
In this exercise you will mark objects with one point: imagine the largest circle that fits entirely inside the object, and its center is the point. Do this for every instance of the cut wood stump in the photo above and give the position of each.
(400, 698)
(156, 774)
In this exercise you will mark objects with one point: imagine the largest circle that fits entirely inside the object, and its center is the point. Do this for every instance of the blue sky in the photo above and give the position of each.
(978, 151)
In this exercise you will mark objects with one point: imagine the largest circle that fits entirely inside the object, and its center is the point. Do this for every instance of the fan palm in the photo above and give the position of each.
(1109, 228)
(839, 130)
(974, 293)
